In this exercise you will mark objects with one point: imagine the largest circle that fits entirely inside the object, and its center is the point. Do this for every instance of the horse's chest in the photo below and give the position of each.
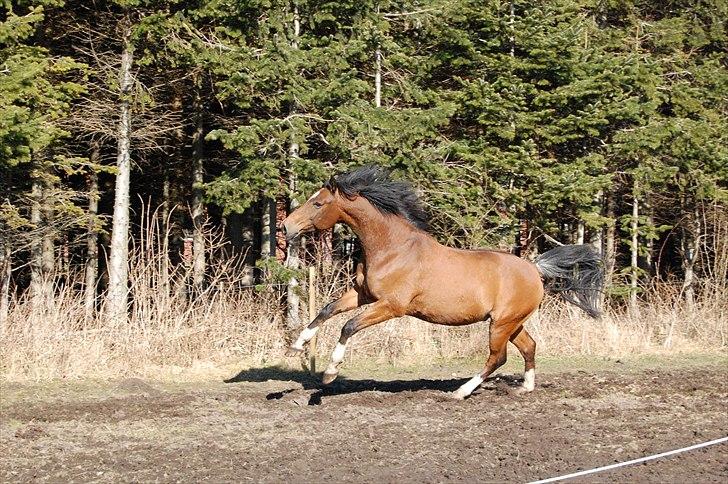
(372, 285)
(393, 286)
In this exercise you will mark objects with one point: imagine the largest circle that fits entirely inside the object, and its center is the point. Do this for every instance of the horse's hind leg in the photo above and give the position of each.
(499, 334)
(527, 346)
(351, 299)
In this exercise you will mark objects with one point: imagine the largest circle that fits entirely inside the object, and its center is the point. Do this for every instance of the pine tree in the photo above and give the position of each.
(36, 90)
(677, 152)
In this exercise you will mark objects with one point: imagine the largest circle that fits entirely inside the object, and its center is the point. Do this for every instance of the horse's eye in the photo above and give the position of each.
(318, 204)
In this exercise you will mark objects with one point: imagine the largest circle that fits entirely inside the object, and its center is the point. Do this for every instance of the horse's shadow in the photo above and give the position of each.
(343, 385)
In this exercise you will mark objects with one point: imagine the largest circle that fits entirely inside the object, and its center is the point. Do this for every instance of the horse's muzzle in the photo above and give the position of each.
(289, 230)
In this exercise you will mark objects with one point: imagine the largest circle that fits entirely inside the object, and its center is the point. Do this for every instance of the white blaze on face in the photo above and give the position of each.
(468, 387)
(529, 380)
(314, 195)
(305, 337)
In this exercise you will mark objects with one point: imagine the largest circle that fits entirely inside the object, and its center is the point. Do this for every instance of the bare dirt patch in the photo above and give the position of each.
(279, 425)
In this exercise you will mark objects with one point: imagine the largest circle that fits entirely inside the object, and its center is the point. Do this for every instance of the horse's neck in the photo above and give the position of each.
(379, 234)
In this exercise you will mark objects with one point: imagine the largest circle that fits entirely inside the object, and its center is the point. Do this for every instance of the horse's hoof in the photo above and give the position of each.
(328, 378)
(457, 396)
(293, 351)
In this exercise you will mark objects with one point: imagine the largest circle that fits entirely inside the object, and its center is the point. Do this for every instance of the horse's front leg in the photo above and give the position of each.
(351, 299)
(376, 313)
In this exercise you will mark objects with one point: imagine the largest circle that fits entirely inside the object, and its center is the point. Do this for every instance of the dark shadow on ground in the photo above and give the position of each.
(344, 386)
(276, 373)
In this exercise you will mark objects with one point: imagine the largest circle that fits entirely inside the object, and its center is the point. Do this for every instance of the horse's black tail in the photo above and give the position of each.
(576, 273)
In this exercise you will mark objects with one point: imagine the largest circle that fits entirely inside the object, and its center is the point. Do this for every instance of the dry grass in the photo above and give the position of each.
(246, 328)
(228, 325)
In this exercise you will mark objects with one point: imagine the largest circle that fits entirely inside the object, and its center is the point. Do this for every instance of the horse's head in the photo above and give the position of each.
(320, 212)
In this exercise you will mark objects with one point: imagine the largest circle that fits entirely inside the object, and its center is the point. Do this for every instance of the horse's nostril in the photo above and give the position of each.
(289, 231)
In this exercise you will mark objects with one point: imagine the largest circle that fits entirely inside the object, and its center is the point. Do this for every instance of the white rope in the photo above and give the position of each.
(630, 462)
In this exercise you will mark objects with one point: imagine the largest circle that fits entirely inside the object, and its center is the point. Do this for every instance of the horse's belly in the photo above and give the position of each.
(451, 311)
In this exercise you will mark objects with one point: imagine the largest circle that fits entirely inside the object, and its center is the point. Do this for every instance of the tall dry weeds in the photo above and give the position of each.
(227, 324)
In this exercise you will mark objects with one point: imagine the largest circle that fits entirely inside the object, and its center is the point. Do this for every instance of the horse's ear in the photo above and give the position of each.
(331, 184)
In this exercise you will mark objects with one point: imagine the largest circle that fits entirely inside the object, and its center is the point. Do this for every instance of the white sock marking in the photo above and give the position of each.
(336, 358)
(468, 387)
(529, 380)
(305, 337)
(338, 355)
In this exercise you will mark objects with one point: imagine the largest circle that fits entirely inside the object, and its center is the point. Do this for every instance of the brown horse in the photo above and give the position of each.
(407, 272)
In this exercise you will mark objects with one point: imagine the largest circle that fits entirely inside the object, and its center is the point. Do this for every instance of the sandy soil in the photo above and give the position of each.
(276, 425)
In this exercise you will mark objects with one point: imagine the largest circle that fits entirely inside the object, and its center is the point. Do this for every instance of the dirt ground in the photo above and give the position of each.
(375, 425)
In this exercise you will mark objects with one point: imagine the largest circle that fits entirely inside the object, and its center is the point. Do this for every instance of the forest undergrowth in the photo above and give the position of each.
(228, 324)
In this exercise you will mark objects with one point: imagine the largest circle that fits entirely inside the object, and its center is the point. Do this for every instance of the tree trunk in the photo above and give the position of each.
(198, 201)
(511, 25)
(6, 272)
(610, 253)
(296, 26)
(268, 230)
(177, 153)
(247, 234)
(66, 260)
(49, 249)
(326, 247)
(42, 248)
(281, 245)
(116, 304)
(580, 232)
(36, 247)
(689, 246)
(164, 233)
(293, 261)
(634, 250)
(522, 239)
(597, 236)
(92, 235)
(378, 77)
(649, 242)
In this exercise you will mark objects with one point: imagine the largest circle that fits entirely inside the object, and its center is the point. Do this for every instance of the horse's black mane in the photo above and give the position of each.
(387, 195)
